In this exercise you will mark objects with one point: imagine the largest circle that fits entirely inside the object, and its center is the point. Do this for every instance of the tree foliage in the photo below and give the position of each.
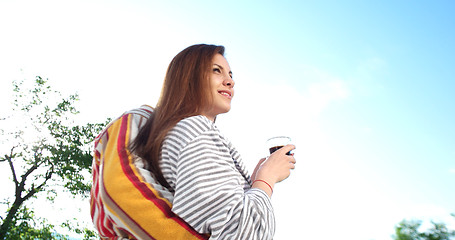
(25, 225)
(43, 149)
(410, 230)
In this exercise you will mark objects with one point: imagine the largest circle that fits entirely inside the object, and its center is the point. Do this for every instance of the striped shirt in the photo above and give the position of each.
(211, 195)
(212, 189)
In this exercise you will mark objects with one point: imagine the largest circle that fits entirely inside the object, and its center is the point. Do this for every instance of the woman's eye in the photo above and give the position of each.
(216, 70)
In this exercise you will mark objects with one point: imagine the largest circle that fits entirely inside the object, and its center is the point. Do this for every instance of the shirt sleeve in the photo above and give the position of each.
(210, 194)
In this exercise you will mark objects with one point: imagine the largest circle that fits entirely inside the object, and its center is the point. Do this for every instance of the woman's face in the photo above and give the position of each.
(221, 87)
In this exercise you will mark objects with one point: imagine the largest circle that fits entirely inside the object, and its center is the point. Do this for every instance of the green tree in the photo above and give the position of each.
(25, 225)
(410, 230)
(44, 150)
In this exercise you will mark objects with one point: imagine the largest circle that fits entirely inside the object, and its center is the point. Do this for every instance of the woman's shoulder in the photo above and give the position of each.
(195, 124)
(190, 128)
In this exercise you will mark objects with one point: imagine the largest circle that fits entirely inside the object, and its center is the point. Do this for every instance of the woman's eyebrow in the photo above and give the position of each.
(218, 66)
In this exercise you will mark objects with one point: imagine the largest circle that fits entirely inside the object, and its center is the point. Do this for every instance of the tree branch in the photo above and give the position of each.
(35, 166)
(34, 190)
(21, 187)
(11, 166)
(29, 171)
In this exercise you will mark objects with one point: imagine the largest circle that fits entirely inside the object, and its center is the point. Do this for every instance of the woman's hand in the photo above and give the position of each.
(275, 169)
(253, 177)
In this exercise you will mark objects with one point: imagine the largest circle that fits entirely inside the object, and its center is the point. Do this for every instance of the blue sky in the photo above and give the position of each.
(364, 88)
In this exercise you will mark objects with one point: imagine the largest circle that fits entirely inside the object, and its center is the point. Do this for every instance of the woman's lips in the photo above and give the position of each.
(227, 94)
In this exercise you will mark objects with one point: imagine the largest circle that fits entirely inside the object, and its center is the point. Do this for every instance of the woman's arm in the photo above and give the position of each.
(210, 195)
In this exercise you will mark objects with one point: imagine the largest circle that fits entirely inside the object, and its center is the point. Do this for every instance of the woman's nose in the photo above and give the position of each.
(229, 82)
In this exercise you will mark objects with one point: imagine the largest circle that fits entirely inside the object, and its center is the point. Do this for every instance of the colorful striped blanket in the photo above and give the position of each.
(126, 201)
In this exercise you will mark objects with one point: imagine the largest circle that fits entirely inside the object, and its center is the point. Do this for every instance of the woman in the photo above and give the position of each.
(169, 173)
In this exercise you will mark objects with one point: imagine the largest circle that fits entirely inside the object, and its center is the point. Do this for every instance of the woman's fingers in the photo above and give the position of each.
(288, 148)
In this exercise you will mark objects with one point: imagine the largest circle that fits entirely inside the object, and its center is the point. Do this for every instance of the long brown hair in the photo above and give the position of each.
(185, 93)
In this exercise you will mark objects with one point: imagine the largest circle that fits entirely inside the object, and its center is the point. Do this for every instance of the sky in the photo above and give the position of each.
(365, 89)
